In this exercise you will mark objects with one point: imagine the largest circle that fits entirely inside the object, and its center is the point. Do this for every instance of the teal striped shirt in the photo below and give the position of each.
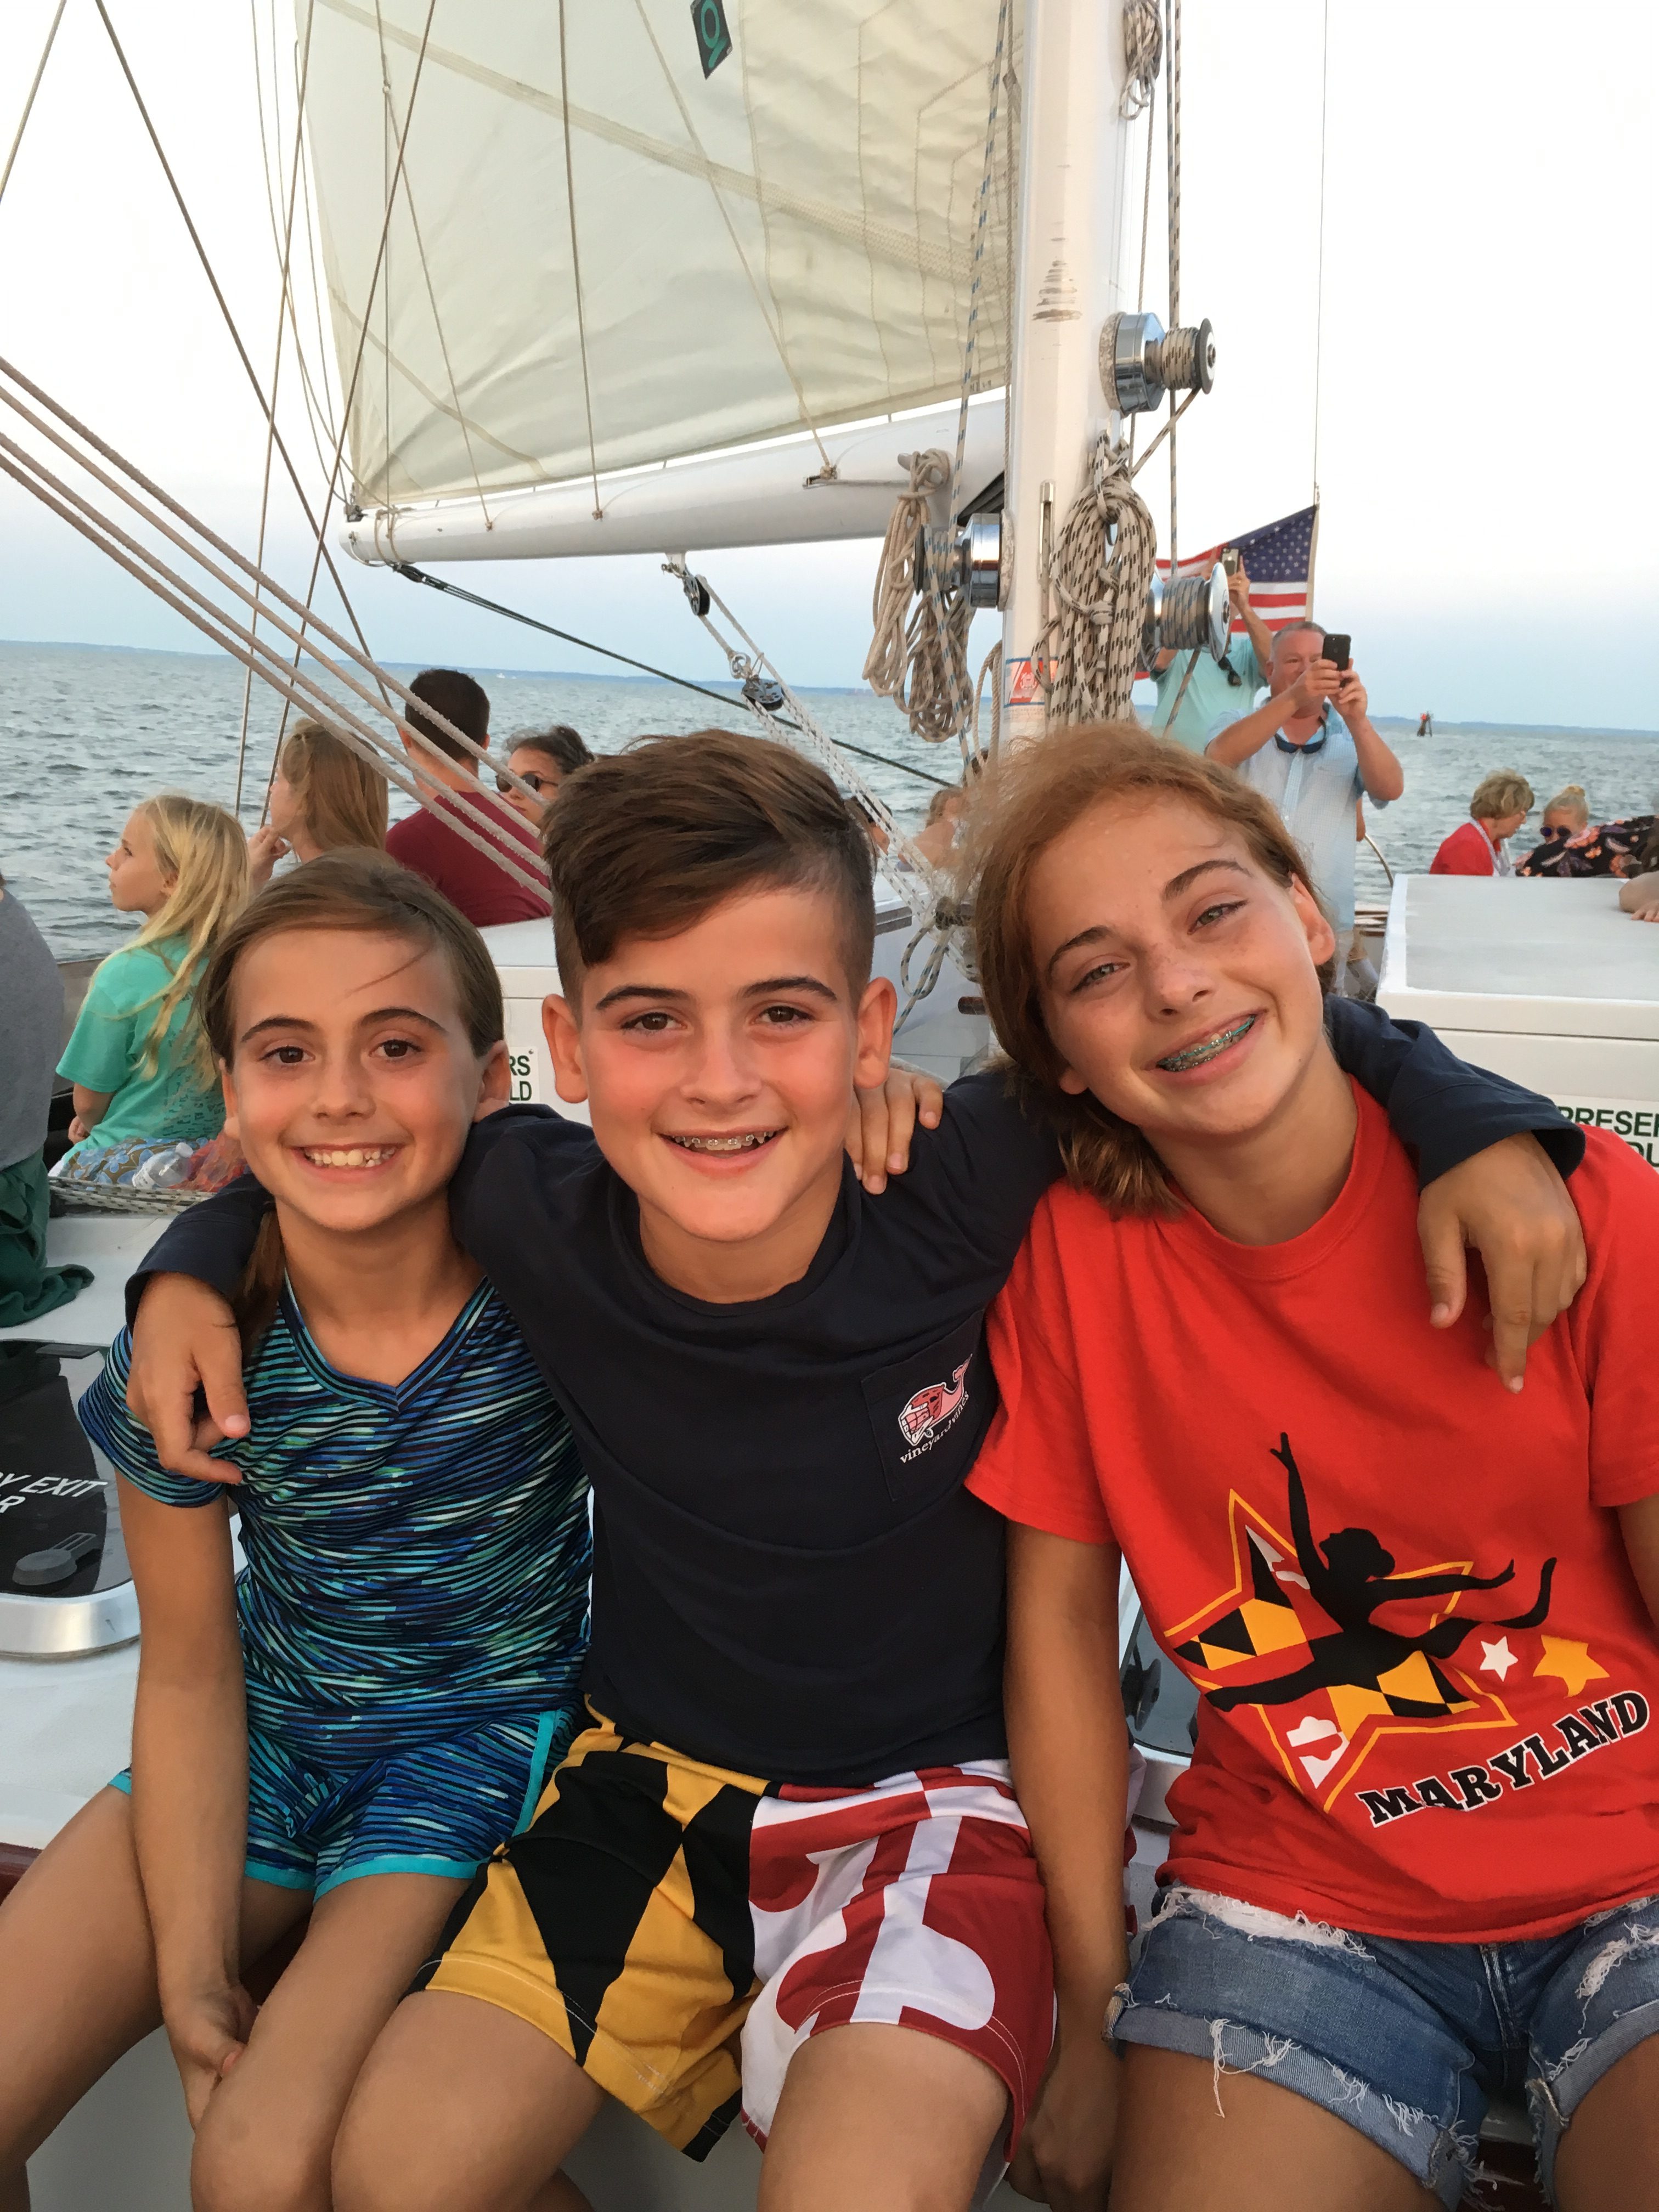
(418, 1553)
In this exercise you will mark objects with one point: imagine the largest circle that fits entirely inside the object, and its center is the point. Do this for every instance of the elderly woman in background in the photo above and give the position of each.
(1501, 803)
(323, 797)
(543, 759)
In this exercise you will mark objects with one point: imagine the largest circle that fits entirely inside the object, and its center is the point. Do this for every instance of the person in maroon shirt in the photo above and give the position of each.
(484, 892)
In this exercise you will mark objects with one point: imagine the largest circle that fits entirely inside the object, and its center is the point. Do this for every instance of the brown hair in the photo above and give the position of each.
(359, 891)
(342, 801)
(1033, 797)
(460, 699)
(565, 747)
(647, 841)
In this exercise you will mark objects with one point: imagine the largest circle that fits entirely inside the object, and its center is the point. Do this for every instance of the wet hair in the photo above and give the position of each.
(342, 801)
(1572, 799)
(365, 893)
(559, 743)
(647, 841)
(202, 849)
(460, 700)
(1505, 791)
(1034, 796)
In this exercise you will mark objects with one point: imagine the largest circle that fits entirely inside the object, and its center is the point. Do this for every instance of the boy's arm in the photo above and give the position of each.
(1639, 1525)
(186, 1348)
(1069, 1749)
(189, 1778)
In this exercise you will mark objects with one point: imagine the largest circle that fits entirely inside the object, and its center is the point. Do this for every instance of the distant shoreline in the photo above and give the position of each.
(486, 668)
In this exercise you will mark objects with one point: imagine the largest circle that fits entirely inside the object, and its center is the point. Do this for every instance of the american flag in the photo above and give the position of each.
(1279, 560)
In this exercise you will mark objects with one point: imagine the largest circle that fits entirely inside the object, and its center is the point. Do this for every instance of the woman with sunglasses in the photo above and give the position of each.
(543, 759)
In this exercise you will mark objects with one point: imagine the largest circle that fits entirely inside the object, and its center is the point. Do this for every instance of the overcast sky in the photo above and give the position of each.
(1486, 453)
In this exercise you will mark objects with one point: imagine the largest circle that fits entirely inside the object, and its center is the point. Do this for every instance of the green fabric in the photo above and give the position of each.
(107, 1051)
(28, 1288)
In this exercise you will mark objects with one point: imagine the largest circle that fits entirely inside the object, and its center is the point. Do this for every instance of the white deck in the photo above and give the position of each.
(1550, 984)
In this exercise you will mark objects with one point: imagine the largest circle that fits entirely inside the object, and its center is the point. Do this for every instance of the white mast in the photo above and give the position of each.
(1072, 262)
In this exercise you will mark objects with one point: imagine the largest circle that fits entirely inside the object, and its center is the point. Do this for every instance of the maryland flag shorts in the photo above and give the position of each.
(681, 1930)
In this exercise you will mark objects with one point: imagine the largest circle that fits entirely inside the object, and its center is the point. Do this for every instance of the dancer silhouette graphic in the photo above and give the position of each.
(1352, 1575)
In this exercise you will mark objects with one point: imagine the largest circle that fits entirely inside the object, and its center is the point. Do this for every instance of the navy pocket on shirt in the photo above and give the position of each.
(929, 1412)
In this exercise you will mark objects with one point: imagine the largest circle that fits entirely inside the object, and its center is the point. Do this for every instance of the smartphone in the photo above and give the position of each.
(1338, 646)
(1230, 559)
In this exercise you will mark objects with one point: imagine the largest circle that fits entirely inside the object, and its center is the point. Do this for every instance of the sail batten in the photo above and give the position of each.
(782, 247)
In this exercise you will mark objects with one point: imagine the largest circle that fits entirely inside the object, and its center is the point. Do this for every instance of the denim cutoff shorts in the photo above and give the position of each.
(1407, 2042)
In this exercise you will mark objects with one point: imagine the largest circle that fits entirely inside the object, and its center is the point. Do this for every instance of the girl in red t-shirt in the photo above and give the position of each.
(1417, 1852)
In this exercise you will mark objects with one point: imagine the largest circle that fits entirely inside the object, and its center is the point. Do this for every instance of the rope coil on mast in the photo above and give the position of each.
(1101, 574)
(1143, 55)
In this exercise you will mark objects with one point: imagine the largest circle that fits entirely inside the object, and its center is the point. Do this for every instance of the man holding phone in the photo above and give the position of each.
(1310, 747)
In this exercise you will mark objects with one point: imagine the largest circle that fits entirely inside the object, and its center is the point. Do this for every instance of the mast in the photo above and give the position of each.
(1072, 269)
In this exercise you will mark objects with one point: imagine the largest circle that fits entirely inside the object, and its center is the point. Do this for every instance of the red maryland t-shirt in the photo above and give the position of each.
(1430, 1683)
(468, 878)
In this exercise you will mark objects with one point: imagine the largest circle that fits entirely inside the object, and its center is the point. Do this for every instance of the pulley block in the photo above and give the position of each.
(1141, 361)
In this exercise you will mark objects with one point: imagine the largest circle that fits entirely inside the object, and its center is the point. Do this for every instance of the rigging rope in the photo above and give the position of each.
(1172, 125)
(1100, 573)
(276, 379)
(230, 320)
(576, 266)
(299, 688)
(920, 657)
(29, 104)
(765, 691)
(414, 575)
(322, 554)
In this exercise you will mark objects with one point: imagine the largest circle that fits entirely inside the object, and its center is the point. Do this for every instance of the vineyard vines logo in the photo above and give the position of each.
(924, 1418)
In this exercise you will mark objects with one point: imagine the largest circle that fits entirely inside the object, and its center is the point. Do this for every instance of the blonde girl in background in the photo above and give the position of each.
(138, 1059)
(323, 798)
(1566, 815)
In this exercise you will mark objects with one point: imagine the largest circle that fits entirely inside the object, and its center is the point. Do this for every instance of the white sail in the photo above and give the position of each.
(783, 245)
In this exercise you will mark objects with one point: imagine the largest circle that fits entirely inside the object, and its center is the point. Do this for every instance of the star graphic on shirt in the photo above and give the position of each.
(1571, 1661)
(1498, 1658)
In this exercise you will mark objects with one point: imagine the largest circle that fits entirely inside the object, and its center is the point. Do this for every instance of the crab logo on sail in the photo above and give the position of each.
(926, 1417)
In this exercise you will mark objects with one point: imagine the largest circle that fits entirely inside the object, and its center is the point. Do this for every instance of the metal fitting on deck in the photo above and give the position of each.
(1191, 614)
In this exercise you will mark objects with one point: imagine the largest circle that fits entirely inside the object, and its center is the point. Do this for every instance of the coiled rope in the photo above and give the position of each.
(1143, 53)
(1100, 573)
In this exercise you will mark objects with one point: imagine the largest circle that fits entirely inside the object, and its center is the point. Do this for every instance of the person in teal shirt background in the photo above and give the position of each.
(1211, 693)
(138, 1059)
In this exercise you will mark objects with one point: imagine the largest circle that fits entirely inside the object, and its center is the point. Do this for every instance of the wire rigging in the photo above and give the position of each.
(230, 321)
(29, 104)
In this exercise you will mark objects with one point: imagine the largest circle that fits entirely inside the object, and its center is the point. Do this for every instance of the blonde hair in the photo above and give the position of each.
(1033, 797)
(202, 849)
(341, 799)
(1505, 791)
(1572, 799)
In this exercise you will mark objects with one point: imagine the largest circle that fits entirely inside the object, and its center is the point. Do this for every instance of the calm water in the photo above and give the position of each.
(85, 733)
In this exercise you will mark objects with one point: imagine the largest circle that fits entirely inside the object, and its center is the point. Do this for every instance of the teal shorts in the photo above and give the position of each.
(438, 1808)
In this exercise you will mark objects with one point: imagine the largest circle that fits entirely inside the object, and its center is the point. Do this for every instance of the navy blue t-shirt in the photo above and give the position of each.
(789, 1578)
